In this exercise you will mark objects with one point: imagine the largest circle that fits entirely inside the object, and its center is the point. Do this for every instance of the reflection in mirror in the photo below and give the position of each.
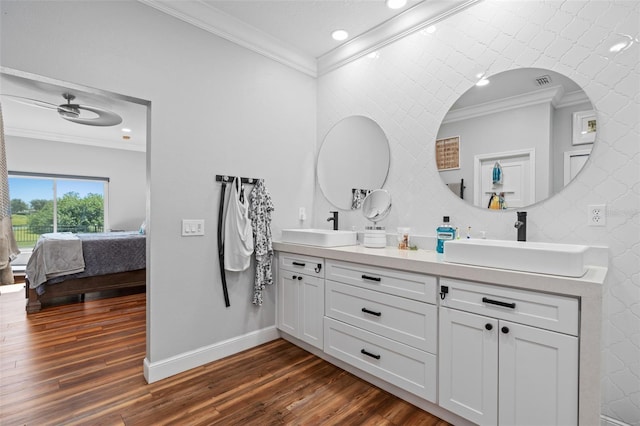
(353, 155)
(516, 140)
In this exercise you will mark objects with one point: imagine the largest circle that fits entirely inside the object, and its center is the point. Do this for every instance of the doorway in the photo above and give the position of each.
(517, 184)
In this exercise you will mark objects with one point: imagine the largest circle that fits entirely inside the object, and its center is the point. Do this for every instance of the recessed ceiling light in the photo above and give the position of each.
(373, 55)
(126, 130)
(430, 29)
(482, 82)
(396, 4)
(339, 35)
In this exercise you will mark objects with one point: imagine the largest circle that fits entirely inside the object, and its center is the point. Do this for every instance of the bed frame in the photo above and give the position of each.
(80, 286)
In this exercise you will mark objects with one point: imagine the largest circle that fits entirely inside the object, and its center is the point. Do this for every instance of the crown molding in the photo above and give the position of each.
(550, 95)
(573, 98)
(217, 22)
(411, 20)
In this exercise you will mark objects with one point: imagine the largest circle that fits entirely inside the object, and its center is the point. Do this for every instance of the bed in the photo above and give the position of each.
(65, 264)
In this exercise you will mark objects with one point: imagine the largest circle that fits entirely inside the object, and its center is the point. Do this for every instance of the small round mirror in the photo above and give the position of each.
(377, 205)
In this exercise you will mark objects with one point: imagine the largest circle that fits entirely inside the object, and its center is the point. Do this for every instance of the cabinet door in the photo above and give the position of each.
(468, 365)
(311, 305)
(538, 376)
(288, 302)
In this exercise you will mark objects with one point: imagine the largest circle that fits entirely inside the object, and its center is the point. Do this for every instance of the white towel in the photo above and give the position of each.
(238, 235)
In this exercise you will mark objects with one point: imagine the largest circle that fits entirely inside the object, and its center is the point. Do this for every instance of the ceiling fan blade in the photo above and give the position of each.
(104, 117)
(31, 102)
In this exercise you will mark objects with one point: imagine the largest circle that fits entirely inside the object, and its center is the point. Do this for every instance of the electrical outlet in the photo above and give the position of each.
(597, 214)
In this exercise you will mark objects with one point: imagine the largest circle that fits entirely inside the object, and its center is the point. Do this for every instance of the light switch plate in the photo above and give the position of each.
(192, 227)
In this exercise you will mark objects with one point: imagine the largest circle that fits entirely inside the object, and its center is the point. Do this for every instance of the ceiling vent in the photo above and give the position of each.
(543, 80)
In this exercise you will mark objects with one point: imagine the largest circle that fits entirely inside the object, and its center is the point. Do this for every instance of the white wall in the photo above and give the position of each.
(126, 171)
(216, 108)
(410, 87)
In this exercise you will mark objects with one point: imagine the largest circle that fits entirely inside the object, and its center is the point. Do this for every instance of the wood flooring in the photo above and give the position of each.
(81, 364)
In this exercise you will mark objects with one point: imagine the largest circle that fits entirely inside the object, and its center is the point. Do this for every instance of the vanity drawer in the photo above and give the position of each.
(407, 321)
(398, 283)
(398, 364)
(548, 311)
(301, 264)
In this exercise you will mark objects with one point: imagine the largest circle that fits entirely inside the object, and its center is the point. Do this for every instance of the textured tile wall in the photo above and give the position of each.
(413, 82)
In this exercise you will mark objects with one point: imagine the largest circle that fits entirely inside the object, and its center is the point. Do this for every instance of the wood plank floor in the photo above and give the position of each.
(82, 364)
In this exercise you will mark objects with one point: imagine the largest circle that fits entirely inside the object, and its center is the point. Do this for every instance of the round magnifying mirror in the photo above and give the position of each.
(515, 138)
(377, 205)
(353, 155)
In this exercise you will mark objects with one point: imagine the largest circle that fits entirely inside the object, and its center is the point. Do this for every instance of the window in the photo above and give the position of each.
(56, 203)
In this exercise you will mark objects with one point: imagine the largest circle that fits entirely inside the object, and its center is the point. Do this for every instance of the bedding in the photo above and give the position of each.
(102, 254)
(54, 255)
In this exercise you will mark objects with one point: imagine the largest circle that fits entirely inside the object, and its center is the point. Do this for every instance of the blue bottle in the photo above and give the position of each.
(444, 232)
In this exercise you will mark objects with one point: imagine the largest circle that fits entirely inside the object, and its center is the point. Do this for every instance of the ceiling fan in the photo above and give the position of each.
(81, 114)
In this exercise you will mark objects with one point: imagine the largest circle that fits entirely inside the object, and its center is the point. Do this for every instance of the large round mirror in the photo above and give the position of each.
(515, 138)
(354, 156)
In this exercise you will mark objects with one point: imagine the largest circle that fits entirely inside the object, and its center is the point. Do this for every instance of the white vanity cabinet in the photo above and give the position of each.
(300, 289)
(508, 356)
(384, 322)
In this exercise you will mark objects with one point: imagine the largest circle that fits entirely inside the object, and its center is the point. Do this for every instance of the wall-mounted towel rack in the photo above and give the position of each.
(229, 179)
(226, 179)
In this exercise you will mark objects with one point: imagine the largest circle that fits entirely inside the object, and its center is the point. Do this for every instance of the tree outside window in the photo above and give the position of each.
(52, 204)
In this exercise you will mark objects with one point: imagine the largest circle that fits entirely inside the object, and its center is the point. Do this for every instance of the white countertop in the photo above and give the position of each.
(431, 262)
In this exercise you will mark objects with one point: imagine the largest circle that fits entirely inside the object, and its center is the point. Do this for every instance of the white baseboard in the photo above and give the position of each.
(154, 371)
(608, 421)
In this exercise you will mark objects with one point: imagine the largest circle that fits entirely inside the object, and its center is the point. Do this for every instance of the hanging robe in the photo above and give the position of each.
(260, 213)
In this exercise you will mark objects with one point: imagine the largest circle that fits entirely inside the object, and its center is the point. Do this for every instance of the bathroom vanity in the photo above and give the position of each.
(467, 343)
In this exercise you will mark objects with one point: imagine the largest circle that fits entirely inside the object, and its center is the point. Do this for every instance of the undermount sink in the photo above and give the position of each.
(319, 237)
(527, 256)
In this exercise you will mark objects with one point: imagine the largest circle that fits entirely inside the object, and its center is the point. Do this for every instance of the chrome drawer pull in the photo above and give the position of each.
(298, 264)
(367, 311)
(499, 303)
(364, 352)
(367, 277)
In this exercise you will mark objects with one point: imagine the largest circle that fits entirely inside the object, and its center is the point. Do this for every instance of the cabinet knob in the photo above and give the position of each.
(505, 330)
(299, 278)
(488, 326)
(294, 277)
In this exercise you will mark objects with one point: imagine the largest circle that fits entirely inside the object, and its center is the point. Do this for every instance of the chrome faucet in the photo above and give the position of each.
(521, 226)
(334, 218)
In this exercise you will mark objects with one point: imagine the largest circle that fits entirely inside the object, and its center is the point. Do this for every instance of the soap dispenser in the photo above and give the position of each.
(444, 232)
